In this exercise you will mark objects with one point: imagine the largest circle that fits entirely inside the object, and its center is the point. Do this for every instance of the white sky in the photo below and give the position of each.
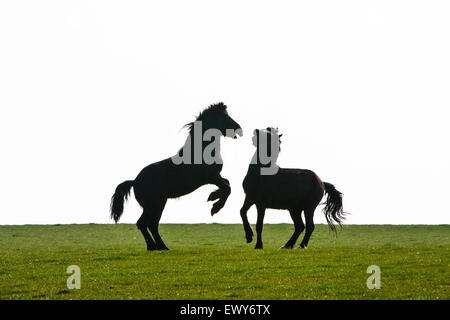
(360, 90)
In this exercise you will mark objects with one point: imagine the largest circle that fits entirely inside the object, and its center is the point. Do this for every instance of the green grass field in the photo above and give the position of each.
(214, 262)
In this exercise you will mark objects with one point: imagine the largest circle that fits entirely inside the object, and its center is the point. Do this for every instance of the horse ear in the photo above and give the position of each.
(280, 135)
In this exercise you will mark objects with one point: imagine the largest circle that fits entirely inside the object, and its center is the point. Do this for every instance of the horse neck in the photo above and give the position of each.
(257, 162)
(190, 144)
(255, 165)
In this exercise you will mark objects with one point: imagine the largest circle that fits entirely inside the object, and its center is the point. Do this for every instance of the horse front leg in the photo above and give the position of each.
(259, 227)
(222, 194)
(216, 194)
(248, 230)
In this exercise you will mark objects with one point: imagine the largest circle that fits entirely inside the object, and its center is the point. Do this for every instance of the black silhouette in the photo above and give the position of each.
(165, 179)
(295, 190)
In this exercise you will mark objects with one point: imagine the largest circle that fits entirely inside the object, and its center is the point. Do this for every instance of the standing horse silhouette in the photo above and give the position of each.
(166, 179)
(295, 190)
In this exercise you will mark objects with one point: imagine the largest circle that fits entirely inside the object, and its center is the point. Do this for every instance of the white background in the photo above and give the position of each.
(93, 91)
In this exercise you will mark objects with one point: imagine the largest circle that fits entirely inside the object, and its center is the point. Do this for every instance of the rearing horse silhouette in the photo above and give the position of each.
(295, 190)
(166, 179)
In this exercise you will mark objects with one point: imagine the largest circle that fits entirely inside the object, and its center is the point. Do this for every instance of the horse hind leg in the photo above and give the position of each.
(309, 218)
(142, 226)
(153, 224)
(296, 216)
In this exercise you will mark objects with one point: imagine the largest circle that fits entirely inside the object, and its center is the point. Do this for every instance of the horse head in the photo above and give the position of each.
(216, 117)
(269, 136)
(267, 142)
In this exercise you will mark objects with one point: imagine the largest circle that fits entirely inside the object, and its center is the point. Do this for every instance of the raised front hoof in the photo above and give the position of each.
(216, 208)
(287, 247)
(249, 238)
(214, 195)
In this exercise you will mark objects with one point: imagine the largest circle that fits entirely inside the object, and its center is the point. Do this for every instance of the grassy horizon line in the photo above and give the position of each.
(218, 223)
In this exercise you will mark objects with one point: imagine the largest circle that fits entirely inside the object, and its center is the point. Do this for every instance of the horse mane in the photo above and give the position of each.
(207, 112)
(272, 131)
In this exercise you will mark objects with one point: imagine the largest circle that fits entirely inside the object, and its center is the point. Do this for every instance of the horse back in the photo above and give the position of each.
(170, 180)
(289, 188)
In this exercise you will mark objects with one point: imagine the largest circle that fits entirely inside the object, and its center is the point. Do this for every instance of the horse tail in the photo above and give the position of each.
(333, 209)
(119, 197)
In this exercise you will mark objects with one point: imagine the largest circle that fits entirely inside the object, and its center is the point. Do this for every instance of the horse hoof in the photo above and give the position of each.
(216, 208)
(286, 247)
(214, 195)
(300, 247)
(258, 246)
